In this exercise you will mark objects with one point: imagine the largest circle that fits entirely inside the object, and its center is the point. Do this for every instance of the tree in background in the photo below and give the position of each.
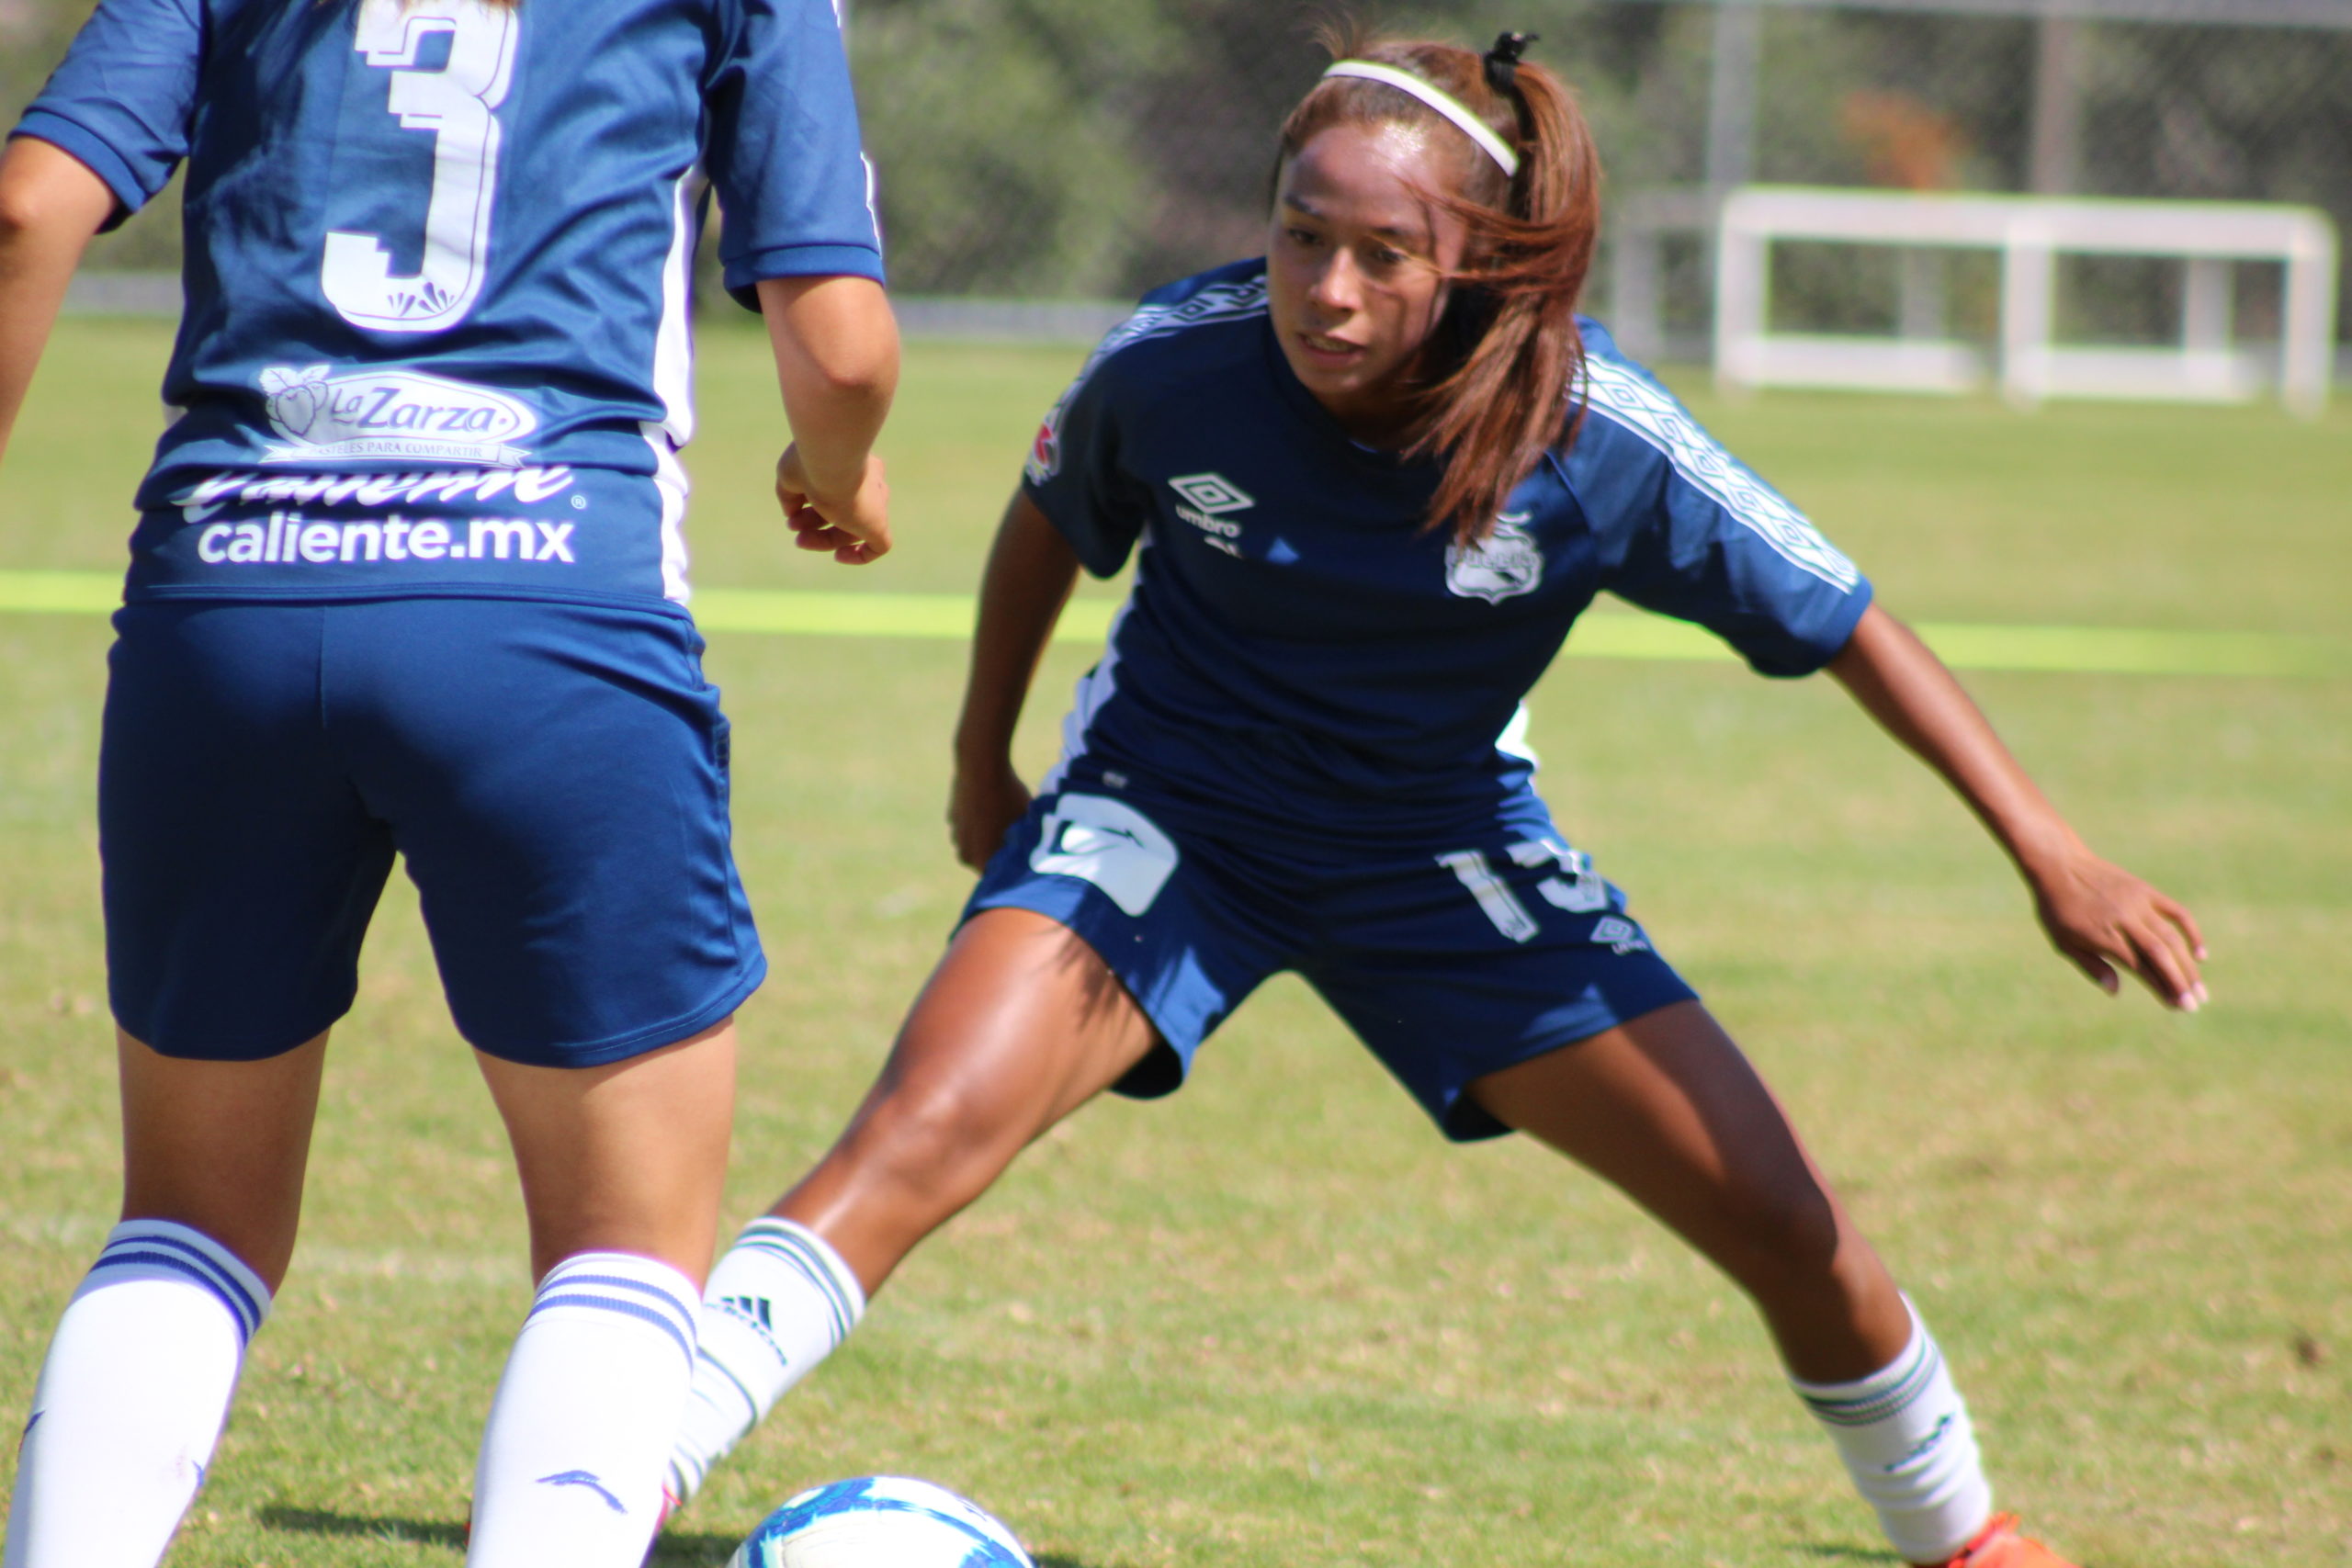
(1095, 148)
(1003, 138)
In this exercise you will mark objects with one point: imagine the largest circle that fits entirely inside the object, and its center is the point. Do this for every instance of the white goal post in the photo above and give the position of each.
(2031, 233)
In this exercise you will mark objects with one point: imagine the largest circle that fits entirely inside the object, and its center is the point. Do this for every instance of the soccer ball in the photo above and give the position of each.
(880, 1521)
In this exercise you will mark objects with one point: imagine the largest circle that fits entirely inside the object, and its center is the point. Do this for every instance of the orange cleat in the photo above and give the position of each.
(1998, 1545)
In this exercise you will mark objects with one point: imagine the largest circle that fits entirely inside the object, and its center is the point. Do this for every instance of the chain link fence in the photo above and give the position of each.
(1086, 150)
(1037, 150)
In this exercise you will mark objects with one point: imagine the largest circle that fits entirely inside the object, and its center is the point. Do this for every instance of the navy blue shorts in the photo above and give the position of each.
(1449, 962)
(555, 776)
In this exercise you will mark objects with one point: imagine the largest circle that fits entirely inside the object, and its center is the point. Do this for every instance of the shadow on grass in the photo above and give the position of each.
(709, 1550)
(318, 1521)
(1849, 1553)
(675, 1551)
(676, 1548)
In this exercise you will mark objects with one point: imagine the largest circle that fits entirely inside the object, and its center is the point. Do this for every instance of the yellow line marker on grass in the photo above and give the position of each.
(1966, 645)
(1603, 634)
(61, 592)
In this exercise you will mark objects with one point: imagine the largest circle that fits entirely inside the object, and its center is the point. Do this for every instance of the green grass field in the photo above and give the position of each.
(1275, 1322)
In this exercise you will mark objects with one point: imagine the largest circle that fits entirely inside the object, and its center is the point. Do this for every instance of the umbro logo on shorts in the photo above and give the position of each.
(1621, 934)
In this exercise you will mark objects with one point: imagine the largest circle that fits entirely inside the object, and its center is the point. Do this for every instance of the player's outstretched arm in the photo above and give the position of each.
(2098, 915)
(1031, 571)
(50, 205)
(836, 348)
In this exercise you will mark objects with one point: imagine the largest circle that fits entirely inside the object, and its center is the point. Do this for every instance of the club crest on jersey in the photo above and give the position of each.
(1505, 563)
(391, 413)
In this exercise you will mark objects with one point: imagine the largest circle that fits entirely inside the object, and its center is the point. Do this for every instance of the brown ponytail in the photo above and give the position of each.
(1492, 389)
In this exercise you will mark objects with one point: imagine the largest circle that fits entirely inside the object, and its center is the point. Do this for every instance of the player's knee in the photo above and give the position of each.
(1787, 1239)
(947, 1141)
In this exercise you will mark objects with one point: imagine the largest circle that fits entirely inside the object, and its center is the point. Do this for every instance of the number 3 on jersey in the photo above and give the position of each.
(457, 104)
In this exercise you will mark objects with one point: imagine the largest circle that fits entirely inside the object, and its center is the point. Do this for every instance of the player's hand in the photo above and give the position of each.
(2104, 919)
(982, 805)
(854, 526)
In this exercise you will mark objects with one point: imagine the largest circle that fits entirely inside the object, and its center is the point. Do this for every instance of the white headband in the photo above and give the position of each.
(1437, 98)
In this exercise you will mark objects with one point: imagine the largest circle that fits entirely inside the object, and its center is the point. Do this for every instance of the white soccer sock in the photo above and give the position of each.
(778, 1304)
(1906, 1441)
(570, 1468)
(132, 1399)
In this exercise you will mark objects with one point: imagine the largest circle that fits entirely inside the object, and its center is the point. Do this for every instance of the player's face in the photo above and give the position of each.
(1356, 268)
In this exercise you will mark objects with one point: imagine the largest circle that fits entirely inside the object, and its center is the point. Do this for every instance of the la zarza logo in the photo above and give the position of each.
(391, 413)
(1505, 563)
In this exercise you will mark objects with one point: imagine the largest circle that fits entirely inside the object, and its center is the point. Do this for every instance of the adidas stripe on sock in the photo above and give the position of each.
(570, 1467)
(132, 1399)
(1904, 1436)
(778, 1304)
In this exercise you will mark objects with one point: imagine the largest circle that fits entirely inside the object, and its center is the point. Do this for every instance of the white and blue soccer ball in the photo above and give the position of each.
(881, 1521)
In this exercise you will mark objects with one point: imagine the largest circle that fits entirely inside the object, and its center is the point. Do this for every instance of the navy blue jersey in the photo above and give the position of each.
(1300, 650)
(450, 241)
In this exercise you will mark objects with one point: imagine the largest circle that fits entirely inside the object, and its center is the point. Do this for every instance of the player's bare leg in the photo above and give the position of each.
(1667, 1108)
(1019, 1025)
(622, 1167)
(629, 1158)
(221, 1146)
(138, 1380)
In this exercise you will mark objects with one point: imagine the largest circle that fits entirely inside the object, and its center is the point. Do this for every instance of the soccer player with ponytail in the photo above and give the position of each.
(1370, 480)
(409, 579)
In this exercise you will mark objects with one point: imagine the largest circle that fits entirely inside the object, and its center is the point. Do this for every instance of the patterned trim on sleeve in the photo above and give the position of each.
(1627, 398)
(1220, 302)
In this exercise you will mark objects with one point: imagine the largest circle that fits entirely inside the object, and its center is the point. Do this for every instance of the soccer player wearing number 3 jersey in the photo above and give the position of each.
(1368, 482)
(410, 578)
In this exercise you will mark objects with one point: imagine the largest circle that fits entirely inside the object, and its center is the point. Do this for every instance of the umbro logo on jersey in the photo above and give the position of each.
(1505, 563)
(1203, 502)
(1212, 493)
(391, 413)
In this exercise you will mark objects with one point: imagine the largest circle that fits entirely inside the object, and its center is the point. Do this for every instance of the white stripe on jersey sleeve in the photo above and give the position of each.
(1628, 398)
(1224, 302)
